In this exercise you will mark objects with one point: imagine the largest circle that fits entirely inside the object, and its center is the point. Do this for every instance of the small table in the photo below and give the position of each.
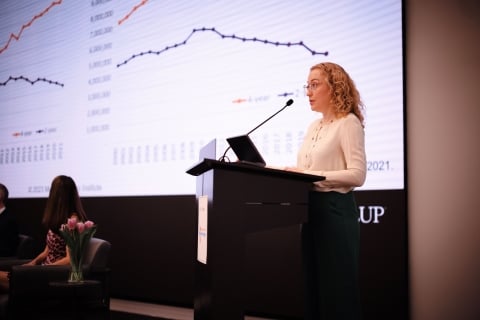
(77, 293)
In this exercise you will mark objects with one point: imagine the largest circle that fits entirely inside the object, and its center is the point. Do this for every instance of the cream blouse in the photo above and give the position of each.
(335, 150)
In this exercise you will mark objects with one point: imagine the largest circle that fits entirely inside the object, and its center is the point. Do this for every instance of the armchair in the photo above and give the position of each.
(24, 253)
(32, 294)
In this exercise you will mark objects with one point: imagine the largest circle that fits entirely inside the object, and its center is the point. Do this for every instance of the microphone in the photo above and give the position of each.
(288, 103)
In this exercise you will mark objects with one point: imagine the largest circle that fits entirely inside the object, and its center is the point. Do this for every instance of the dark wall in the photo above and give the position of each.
(154, 249)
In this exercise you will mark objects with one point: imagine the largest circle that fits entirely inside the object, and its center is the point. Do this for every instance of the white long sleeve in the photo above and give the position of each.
(335, 150)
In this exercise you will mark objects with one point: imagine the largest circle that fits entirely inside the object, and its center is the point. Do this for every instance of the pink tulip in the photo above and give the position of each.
(80, 227)
(71, 223)
(88, 224)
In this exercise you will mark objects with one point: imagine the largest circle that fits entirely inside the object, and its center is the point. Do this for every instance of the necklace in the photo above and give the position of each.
(318, 131)
(324, 122)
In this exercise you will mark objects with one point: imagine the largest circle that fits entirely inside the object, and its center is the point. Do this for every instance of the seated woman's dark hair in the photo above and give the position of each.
(63, 201)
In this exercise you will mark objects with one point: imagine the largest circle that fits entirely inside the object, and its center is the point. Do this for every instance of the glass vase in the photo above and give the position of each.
(76, 272)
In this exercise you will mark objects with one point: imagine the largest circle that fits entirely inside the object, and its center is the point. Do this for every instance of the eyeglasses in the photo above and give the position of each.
(312, 86)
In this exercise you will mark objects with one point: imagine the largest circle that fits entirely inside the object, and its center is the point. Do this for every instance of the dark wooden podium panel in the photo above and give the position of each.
(241, 199)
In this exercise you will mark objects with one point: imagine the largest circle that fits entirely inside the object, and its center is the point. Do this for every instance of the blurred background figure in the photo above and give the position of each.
(8, 226)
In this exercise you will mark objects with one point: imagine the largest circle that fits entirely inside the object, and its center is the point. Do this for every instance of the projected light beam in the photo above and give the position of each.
(224, 36)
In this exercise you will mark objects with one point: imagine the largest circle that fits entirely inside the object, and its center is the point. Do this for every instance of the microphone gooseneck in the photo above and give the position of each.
(288, 103)
(224, 156)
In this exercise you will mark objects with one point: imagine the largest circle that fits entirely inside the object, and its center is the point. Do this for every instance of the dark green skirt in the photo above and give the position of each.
(330, 252)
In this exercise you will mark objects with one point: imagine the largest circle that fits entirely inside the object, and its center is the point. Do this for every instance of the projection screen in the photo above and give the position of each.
(122, 95)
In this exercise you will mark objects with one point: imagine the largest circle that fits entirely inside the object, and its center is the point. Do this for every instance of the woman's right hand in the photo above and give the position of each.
(30, 263)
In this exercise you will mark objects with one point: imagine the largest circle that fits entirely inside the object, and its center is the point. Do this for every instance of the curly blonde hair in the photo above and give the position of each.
(345, 96)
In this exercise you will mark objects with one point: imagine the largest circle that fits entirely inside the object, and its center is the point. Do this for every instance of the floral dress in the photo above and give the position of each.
(57, 248)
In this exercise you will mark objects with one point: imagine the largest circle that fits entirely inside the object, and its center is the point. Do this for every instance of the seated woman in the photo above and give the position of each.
(63, 202)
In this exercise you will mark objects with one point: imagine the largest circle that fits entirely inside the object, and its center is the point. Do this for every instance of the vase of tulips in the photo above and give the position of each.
(77, 235)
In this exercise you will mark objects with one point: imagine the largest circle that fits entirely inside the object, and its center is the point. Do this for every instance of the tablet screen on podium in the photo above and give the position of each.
(245, 150)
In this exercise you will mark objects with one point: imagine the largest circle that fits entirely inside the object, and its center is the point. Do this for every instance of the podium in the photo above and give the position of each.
(241, 199)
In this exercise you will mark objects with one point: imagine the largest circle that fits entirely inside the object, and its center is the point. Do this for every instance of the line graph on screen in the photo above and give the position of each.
(223, 36)
(17, 36)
